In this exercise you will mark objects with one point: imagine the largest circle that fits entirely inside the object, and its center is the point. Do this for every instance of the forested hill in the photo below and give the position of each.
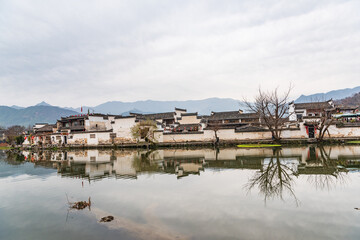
(28, 116)
(353, 100)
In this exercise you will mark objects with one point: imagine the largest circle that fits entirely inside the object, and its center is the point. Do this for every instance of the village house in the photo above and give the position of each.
(181, 126)
(301, 111)
(232, 119)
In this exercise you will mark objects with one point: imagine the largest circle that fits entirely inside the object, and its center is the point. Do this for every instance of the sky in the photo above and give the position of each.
(86, 52)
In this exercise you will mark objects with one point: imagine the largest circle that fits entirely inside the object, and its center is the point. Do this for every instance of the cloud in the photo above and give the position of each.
(72, 53)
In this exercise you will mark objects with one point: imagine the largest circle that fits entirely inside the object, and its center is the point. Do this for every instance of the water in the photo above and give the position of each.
(292, 193)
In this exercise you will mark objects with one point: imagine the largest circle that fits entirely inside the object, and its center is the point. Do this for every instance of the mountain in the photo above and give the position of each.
(335, 95)
(28, 116)
(204, 106)
(43, 104)
(17, 107)
(353, 100)
(134, 111)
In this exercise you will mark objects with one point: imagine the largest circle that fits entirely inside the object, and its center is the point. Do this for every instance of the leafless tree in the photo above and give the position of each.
(215, 127)
(272, 109)
(323, 125)
(12, 132)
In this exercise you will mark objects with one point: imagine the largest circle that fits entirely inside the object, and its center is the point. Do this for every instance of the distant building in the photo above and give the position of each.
(297, 111)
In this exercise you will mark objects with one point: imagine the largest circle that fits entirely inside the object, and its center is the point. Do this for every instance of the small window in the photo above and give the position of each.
(70, 137)
(92, 158)
(112, 135)
(92, 136)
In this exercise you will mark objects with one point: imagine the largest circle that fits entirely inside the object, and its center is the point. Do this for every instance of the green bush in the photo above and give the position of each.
(19, 140)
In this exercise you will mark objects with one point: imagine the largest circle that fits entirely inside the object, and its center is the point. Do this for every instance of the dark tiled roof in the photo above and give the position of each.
(65, 119)
(225, 115)
(347, 107)
(180, 109)
(190, 125)
(119, 117)
(189, 114)
(313, 105)
(46, 128)
(231, 115)
(77, 128)
(153, 116)
(211, 126)
(250, 128)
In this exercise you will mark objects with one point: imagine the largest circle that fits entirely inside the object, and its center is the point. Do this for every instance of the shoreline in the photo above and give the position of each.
(222, 144)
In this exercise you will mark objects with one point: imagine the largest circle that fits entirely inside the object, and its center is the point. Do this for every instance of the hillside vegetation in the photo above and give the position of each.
(31, 115)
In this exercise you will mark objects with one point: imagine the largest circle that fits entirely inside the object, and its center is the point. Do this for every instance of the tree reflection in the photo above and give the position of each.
(329, 174)
(144, 162)
(274, 179)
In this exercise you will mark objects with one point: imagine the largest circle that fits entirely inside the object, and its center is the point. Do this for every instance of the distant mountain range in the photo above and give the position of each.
(335, 95)
(28, 116)
(44, 112)
(204, 106)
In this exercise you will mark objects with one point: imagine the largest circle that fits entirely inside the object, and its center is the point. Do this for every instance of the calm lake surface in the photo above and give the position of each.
(292, 193)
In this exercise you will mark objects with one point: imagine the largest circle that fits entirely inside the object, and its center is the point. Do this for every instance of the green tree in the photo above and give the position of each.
(144, 130)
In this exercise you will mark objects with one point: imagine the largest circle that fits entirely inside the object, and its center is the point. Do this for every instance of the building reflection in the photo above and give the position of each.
(313, 161)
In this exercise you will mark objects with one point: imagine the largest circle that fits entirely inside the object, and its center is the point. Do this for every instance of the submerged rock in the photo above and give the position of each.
(107, 219)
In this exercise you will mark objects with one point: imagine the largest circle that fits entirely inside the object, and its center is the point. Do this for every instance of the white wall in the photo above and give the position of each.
(122, 128)
(192, 119)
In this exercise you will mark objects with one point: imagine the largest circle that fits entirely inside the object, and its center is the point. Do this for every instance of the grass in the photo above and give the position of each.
(354, 142)
(5, 148)
(258, 145)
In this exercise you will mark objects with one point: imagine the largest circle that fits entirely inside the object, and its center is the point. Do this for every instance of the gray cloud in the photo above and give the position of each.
(73, 53)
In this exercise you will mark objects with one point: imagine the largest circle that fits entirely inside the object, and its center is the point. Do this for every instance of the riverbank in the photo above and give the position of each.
(227, 143)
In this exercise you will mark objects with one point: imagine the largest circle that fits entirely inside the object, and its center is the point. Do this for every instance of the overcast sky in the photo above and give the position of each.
(72, 53)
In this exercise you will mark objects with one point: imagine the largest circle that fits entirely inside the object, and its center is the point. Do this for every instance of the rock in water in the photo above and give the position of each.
(107, 219)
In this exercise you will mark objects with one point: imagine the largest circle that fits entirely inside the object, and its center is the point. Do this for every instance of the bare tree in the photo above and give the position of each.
(272, 109)
(13, 132)
(215, 127)
(323, 125)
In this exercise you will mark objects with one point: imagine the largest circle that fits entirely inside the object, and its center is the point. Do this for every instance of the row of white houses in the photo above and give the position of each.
(181, 126)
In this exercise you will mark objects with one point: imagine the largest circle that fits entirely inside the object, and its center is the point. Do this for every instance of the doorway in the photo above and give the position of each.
(311, 132)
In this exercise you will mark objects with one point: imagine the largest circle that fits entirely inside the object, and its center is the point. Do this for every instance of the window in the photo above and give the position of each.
(92, 158)
(70, 137)
(112, 135)
(92, 135)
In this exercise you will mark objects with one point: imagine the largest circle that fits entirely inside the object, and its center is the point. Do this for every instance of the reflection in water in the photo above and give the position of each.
(325, 172)
(194, 194)
(325, 167)
(275, 177)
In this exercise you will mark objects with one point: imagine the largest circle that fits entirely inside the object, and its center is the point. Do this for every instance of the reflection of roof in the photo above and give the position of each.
(317, 170)
(313, 105)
